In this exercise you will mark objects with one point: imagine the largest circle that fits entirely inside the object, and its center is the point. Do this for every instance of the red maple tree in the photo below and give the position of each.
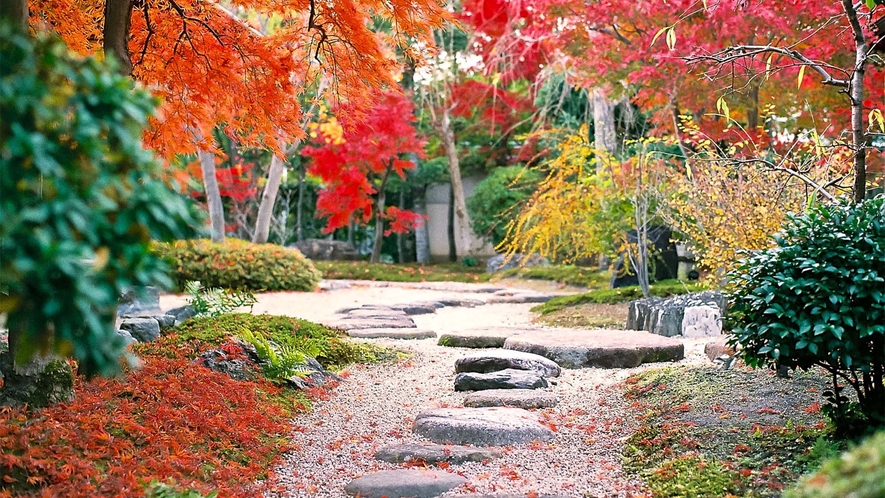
(356, 166)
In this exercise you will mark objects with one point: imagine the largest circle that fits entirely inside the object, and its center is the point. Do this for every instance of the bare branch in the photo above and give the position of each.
(731, 54)
(776, 167)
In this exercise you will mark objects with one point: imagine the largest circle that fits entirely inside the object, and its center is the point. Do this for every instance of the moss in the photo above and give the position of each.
(859, 473)
(54, 385)
(693, 476)
(665, 288)
(408, 272)
(564, 274)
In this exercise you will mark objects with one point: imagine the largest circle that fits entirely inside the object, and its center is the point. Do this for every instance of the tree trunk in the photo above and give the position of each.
(855, 93)
(462, 227)
(604, 135)
(213, 195)
(117, 20)
(15, 12)
(268, 199)
(401, 252)
(299, 210)
(422, 238)
(753, 112)
(379, 216)
(450, 228)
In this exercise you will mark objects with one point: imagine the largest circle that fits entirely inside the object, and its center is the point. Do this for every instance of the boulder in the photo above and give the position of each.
(504, 379)
(246, 365)
(667, 316)
(142, 302)
(182, 313)
(327, 250)
(404, 483)
(434, 453)
(40, 382)
(126, 336)
(520, 398)
(392, 333)
(493, 360)
(481, 426)
(141, 329)
(603, 348)
(503, 262)
(218, 360)
(718, 348)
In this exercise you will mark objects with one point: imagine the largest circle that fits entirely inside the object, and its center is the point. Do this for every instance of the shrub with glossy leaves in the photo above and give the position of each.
(80, 200)
(818, 299)
(241, 265)
(496, 200)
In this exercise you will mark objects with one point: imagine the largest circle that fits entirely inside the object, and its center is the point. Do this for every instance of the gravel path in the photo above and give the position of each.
(376, 406)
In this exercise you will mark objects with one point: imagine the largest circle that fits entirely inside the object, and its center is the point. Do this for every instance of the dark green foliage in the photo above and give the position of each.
(859, 473)
(328, 346)
(564, 274)
(497, 199)
(215, 301)
(80, 201)
(664, 288)
(403, 272)
(818, 299)
(237, 264)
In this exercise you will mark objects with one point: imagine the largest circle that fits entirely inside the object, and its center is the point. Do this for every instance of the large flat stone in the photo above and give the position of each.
(481, 426)
(434, 453)
(392, 333)
(502, 379)
(479, 337)
(520, 298)
(493, 360)
(388, 322)
(416, 308)
(374, 313)
(576, 348)
(520, 398)
(404, 483)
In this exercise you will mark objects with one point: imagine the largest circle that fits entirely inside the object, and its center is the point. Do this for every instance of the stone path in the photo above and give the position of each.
(419, 428)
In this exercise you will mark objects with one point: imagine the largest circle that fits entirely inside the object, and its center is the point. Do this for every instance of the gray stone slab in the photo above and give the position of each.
(457, 302)
(520, 398)
(481, 426)
(392, 333)
(374, 313)
(520, 298)
(603, 348)
(389, 322)
(434, 453)
(141, 329)
(479, 338)
(415, 308)
(502, 379)
(404, 483)
(492, 360)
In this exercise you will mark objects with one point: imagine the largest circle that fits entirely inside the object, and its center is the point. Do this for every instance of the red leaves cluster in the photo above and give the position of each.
(170, 419)
(353, 171)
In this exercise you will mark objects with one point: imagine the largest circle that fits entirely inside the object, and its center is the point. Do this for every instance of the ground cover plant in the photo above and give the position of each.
(710, 432)
(665, 288)
(406, 272)
(859, 473)
(578, 276)
(237, 264)
(172, 418)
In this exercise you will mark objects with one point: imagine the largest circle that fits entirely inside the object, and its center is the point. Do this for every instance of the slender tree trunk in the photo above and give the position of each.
(604, 135)
(299, 210)
(351, 228)
(401, 252)
(268, 199)
(450, 228)
(422, 238)
(462, 228)
(379, 215)
(213, 195)
(15, 12)
(117, 20)
(753, 112)
(855, 93)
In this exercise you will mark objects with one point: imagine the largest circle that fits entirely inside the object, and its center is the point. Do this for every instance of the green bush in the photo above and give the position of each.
(858, 473)
(241, 265)
(328, 346)
(818, 299)
(497, 200)
(81, 200)
(664, 288)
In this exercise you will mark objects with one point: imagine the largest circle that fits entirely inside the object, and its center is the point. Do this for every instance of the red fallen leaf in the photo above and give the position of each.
(746, 472)
(767, 410)
(814, 408)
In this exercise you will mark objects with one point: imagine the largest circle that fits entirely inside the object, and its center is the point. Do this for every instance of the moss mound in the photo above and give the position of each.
(664, 288)
(858, 473)
(237, 264)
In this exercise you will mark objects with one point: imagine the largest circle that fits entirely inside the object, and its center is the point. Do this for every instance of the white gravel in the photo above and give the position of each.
(376, 406)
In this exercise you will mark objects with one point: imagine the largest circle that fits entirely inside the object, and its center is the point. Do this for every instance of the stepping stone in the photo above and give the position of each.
(388, 322)
(434, 453)
(520, 398)
(481, 426)
(342, 311)
(392, 333)
(480, 337)
(372, 313)
(603, 348)
(493, 360)
(534, 495)
(457, 302)
(416, 308)
(520, 298)
(404, 483)
(503, 379)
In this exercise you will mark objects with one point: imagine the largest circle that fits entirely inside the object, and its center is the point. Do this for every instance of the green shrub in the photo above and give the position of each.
(328, 346)
(241, 265)
(818, 299)
(496, 200)
(858, 473)
(664, 288)
(81, 200)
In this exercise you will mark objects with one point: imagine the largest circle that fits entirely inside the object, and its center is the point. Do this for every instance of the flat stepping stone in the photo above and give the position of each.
(479, 338)
(520, 398)
(520, 298)
(603, 348)
(533, 495)
(481, 426)
(434, 453)
(502, 379)
(388, 322)
(457, 302)
(493, 360)
(416, 308)
(392, 333)
(404, 483)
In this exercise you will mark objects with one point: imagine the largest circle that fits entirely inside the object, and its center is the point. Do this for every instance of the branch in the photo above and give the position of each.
(201, 22)
(731, 54)
(777, 167)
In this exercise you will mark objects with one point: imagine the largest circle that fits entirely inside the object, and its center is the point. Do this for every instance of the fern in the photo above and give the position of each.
(216, 301)
(281, 361)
